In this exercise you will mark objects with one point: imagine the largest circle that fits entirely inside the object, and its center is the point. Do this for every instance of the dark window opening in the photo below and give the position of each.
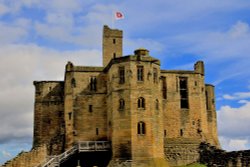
(207, 104)
(73, 83)
(114, 41)
(141, 103)
(165, 133)
(184, 92)
(114, 55)
(93, 84)
(141, 128)
(164, 88)
(121, 104)
(140, 73)
(70, 115)
(181, 132)
(121, 75)
(155, 75)
(97, 131)
(90, 108)
(157, 104)
(195, 83)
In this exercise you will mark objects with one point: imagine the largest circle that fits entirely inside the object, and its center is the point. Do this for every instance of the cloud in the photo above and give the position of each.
(237, 96)
(233, 126)
(230, 144)
(24, 64)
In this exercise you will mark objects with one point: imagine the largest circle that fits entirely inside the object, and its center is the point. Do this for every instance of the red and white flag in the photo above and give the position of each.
(119, 15)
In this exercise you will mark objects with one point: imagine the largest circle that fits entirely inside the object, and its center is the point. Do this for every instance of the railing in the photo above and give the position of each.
(83, 146)
(90, 146)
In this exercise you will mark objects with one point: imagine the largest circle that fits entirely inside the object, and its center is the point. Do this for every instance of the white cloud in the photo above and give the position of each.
(234, 122)
(24, 64)
(237, 96)
(230, 144)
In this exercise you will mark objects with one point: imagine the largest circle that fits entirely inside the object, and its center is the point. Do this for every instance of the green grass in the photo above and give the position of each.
(194, 165)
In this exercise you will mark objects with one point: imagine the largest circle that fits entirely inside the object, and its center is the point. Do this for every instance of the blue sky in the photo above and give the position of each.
(38, 37)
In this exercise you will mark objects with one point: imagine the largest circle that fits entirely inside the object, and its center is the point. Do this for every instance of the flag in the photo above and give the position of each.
(119, 15)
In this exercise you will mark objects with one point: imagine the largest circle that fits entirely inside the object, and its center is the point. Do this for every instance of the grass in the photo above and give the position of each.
(194, 165)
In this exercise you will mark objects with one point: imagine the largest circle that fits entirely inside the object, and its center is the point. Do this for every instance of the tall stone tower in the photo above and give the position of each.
(112, 44)
(135, 111)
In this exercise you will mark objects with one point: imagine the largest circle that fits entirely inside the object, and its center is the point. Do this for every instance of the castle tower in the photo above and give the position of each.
(211, 115)
(136, 124)
(111, 44)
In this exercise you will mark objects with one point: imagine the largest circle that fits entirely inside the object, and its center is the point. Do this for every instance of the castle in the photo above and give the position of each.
(138, 113)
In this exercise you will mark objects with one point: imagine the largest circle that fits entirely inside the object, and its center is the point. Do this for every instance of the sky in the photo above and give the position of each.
(38, 37)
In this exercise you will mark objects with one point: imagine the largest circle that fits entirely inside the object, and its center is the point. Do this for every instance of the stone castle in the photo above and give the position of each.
(128, 112)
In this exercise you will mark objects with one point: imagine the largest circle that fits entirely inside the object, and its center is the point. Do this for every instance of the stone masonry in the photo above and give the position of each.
(151, 116)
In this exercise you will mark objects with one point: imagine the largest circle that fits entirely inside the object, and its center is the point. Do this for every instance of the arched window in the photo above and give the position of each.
(157, 104)
(73, 83)
(141, 128)
(141, 103)
(121, 104)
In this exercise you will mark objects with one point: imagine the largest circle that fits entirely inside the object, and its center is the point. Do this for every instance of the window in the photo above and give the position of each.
(181, 132)
(121, 75)
(90, 108)
(155, 75)
(121, 104)
(73, 83)
(114, 55)
(141, 103)
(157, 104)
(164, 88)
(140, 73)
(207, 103)
(165, 133)
(114, 41)
(141, 128)
(93, 84)
(70, 115)
(184, 92)
(97, 131)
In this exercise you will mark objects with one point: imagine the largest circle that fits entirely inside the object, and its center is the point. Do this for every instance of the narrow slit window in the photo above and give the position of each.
(121, 75)
(97, 131)
(155, 75)
(140, 73)
(114, 41)
(164, 88)
(157, 104)
(90, 108)
(70, 115)
(121, 104)
(141, 128)
(93, 84)
(73, 83)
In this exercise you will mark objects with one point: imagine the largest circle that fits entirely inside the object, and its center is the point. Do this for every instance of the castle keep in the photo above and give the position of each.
(138, 113)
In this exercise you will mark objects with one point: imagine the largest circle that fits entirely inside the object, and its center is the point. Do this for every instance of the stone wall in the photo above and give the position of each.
(49, 114)
(214, 157)
(28, 159)
(181, 151)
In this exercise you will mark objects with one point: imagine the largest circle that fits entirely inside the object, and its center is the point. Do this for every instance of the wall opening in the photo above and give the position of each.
(184, 92)
(141, 128)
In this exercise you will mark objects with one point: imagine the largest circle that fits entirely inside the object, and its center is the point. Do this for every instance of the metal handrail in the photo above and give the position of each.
(82, 146)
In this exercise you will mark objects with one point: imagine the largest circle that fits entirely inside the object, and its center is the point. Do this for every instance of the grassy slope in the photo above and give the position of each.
(194, 165)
